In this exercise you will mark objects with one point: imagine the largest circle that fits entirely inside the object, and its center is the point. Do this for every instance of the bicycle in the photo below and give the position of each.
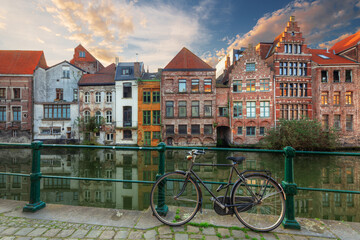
(256, 199)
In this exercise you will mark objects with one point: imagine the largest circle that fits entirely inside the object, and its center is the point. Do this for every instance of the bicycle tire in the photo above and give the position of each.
(179, 211)
(266, 215)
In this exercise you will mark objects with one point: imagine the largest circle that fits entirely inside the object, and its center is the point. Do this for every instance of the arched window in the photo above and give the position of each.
(86, 116)
(87, 97)
(98, 116)
(108, 97)
(108, 117)
(97, 97)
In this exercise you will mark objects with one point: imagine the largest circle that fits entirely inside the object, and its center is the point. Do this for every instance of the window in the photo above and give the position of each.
(237, 86)
(17, 114)
(349, 200)
(283, 89)
(66, 71)
(108, 117)
(156, 97)
(195, 129)
(262, 131)
(348, 76)
(182, 129)
(324, 98)
(207, 108)
(125, 71)
(285, 48)
(294, 111)
(237, 110)
(250, 109)
(349, 122)
(127, 90)
(336, 76)
(299, 49)
(2, 93)
(208, 129)
(264, 85)
(337, 122)
(108, 97)
(82, 54)
(303, 89)
(147, 96)
(290, 45)
(348, 98)
(87, 97)
(109, 137)
(16, 92)
(325, 121)
(349, 175)
(86, 116)
(239, 130)
(127, 134)
(284, 111)
(337, 199)
(207, 85)
(59, 94)
(182, 85)
(52, 111)
(127, 175)
(250, 67)
(146, 117)
(147, 138)
(156, 117)
(2, 114)
(195, 85)
(98, 117)
(169, 109)
(250, 131)
(250, 85)
(127, 117)
(264, 109)
(303, 110)
(75, 95)
(182, 108)
(223, 112)
(156, 135)
(195, 109)
(169, 129)
(336, 98)
(97, 97)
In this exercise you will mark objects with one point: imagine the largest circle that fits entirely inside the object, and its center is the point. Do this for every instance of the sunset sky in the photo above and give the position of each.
(157, 30)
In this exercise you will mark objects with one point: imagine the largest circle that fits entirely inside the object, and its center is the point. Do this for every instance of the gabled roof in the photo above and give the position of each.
(66, 63)
(346, 43)
(324, 57)
(185, 60)
(21, 62)
(103, 77)
(88, 57)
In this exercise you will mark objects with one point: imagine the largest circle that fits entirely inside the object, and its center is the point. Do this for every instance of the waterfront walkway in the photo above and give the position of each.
(73, 222)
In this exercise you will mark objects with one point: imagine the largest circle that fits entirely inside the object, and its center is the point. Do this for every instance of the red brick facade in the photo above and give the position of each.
(84, 60)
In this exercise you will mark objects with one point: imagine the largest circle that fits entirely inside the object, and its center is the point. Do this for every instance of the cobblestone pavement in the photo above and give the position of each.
(14, 224)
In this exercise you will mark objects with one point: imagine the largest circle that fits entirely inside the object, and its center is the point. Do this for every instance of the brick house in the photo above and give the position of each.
(188, 101)
(149, 117)
(16, 93)
(290, 59)
(97, 98)
(83, 59)
(251, 99)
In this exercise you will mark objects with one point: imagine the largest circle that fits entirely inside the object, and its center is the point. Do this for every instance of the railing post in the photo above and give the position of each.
(161, 208)
(35, 176)
(290, 190)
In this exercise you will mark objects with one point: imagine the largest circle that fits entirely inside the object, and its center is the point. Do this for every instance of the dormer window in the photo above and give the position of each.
(125, 71)
(82, 54)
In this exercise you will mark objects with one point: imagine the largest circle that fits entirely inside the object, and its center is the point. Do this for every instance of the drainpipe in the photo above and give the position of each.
(274, 87)
(231, 132)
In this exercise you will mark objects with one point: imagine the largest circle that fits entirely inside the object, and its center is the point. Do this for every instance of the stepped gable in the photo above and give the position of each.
(21, 62)
(105, 76)
(346, 43)
(324, 57)
(88, 57)
(186, 60)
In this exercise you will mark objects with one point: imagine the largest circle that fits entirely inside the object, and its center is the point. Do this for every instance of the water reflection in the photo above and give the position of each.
(317, 171)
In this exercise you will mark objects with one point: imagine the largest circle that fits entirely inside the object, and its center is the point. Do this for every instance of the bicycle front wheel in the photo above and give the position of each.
(175, 200)
(259, 201)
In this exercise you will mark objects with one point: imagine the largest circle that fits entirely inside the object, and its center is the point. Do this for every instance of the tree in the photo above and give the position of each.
(303, 134)
(89, 127)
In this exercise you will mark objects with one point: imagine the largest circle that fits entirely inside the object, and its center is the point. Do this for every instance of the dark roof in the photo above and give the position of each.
(105, 76)
(346, 43)
(151, 76)
(21, 62)
(185, 60)
(120, 67)
(324, 57)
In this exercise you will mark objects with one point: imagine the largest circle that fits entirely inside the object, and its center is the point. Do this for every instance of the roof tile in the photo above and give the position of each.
(185, 59)
(21, 62)
(330, 57)
(346, 43)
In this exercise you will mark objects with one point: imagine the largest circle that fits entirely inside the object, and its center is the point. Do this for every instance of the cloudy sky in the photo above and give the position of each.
(156, 30)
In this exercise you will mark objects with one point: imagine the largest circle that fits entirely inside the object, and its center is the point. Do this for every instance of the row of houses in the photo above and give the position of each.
(187, 102)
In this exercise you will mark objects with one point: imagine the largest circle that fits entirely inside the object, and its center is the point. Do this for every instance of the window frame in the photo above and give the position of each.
(97, 97)
(195, 109)
(146, 117)
(250, 109)
(195, 85)
(250, 67)
(207, 82)
(127, 90)
(182, 86)
(251, 131)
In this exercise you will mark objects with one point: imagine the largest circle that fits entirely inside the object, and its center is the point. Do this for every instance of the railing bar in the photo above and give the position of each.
(100, 147)
(328, 190)
(15, 174)
(99, 179)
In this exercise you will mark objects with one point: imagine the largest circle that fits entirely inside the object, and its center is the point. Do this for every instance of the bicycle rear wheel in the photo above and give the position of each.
(175, 200)
(263, 215)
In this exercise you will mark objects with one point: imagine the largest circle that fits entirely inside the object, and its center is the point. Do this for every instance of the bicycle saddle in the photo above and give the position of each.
(236, 159)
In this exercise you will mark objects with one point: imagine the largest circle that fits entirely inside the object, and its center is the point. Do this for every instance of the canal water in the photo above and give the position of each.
(329, 172)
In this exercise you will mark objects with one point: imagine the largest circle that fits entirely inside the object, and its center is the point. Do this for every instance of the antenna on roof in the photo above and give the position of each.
(136, 57)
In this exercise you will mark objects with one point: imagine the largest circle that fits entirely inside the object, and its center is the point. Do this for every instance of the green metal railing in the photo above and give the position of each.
(288, 183)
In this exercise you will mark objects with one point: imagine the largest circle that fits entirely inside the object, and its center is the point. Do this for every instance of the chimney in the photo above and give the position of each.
(137, 70)
(116, 61)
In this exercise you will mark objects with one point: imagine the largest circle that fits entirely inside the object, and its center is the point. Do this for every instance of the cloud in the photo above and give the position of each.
(40, 40)
(317, 20)
(329, 44)
(45, 28)
(2, 17)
